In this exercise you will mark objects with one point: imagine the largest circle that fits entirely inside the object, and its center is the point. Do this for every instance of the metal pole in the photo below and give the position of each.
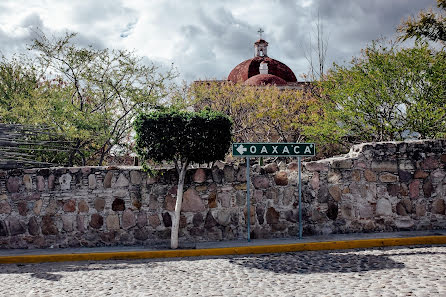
(248, 205)
(300, 199)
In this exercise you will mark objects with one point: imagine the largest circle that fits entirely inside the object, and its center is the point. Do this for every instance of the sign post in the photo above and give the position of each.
(249, 150)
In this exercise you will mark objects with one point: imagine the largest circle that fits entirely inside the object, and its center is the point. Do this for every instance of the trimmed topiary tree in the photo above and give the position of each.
(182, 137)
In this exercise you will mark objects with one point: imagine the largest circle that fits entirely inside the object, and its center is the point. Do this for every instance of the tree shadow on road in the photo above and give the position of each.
(318, 262)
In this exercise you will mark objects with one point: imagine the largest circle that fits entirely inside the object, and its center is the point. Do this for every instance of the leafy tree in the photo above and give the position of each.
(389, 94)
(264, 113)
(428, 24)
(182, 137)
(88, 95)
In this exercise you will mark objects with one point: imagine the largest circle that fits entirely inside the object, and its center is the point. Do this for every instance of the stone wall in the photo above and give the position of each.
(376, 187)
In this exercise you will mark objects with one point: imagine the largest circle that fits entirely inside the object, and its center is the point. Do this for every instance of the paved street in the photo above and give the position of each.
(403, 271)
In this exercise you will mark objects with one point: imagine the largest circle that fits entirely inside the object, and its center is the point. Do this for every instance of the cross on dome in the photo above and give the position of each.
(260, 32)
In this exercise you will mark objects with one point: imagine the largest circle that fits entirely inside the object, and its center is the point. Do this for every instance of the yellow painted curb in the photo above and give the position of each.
(241, 250)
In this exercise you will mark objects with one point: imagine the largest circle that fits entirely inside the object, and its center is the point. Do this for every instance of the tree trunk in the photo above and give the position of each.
(176, 218)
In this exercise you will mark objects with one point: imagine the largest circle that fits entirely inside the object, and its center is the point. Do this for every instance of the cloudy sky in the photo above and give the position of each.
(207, 39)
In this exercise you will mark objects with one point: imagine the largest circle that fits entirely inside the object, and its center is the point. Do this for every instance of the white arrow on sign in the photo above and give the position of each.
(241, 149)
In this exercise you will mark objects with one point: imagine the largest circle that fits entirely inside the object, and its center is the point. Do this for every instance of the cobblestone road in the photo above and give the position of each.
(419, 271)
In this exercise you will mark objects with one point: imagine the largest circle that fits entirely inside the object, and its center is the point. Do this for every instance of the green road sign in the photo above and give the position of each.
(273, 149)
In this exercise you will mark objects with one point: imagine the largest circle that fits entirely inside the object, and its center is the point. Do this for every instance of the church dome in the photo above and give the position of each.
(265, 79)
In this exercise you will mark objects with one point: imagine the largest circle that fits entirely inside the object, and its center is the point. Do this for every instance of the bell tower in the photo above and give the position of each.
(260, 46)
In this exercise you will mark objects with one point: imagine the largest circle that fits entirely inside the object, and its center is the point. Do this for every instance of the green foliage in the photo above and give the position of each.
(175, 135)
(88, 95)
(389, 94)
(428, 25)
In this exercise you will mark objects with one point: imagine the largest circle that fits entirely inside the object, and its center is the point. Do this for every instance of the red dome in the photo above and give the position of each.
(265, 79)
(250, 68)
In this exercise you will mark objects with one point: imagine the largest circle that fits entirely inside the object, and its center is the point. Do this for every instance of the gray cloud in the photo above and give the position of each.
(208, 39)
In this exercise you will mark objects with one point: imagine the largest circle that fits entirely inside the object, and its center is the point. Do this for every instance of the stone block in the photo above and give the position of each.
(314, 181)
(315, 166)
(51, 183)
(252, 215)
(271, 168)
(3, 229)
(167, 219)
(112, 222)
(40, 183)
(108, 180)
(197, 220)
(406, 165)
(228, 172)
(261, 182)
(356, 175)
(16, 226)
(342, 164)
(128, 219)
(209, 221)
(438, 206)
(122, 182)
(241, 174)
(404, 223)
(293, 166)
(68, 223)
(92, 182)
(390, 166)
(37, 207)
(212, 200)
(401, 209)
(135, 177)
(335, 192)
(393, 189)
(65, 181)
(69, 205)
(404, 176)
(169, 203)
(5, 207)
(225, 199)
(383, 207)
(192, 201)
(13, 184)
(421, 174)
(82, 206)
(428, 188)
(48, 227)
(388, 177)
(224, 217)
(154, 220)
(96, 221)
(33, 226)
(217, 174)
(52, 207)
(281, 178)
(141, 219)
(332, 211)
(429, 163)
(118, 204)
(414, 189)
(438, 175)
(365, 211)
(369, 175)
(260, 214)
(28, 182)
(333, 177)
(80, 223)
(272, 216)
(199, 176)
(22, 208)
(420, 209)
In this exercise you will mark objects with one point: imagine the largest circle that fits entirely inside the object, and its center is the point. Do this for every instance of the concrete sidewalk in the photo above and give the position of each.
(237, 247)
